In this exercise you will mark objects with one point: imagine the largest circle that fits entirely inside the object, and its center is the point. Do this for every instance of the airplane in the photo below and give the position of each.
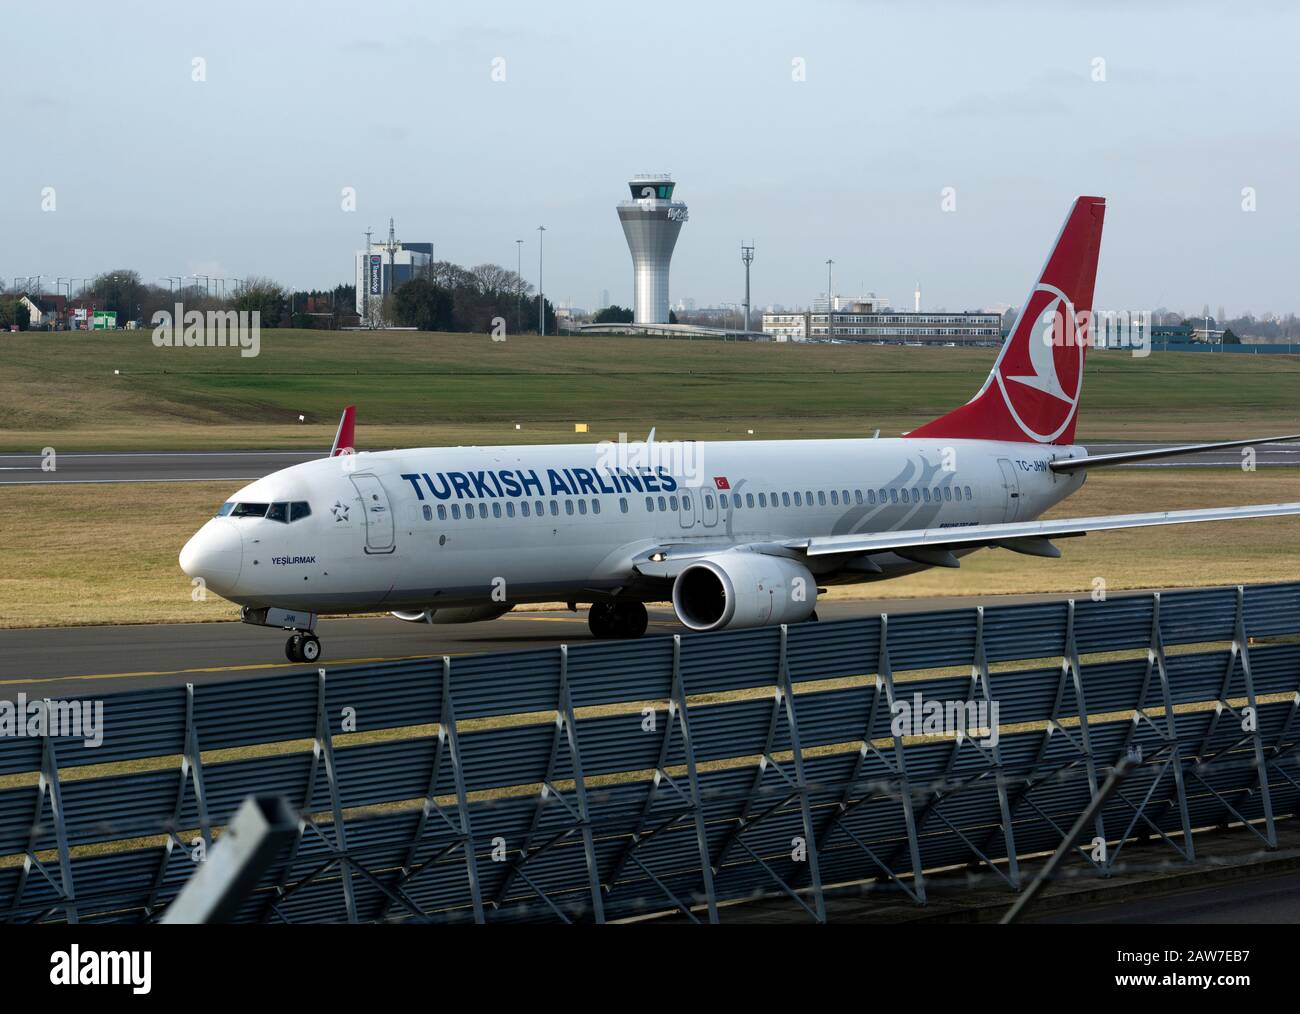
(732, 533)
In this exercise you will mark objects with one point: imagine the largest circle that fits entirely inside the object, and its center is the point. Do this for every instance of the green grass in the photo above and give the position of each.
(60, 390)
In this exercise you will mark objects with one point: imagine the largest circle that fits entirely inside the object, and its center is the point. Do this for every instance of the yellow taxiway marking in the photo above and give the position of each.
(222, 668)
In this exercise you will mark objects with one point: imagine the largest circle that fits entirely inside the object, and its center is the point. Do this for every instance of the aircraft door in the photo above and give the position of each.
(708, 505)
(688, 501)
(1011, 488)
(377, 514)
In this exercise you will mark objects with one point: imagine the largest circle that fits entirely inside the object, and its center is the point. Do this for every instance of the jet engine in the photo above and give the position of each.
(743, 590)
(454, 614)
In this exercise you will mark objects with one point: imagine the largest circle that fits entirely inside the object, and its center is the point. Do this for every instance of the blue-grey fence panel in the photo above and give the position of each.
(644, 835)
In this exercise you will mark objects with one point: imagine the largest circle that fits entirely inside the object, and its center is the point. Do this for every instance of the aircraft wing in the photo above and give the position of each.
(1124, 457)
(1023, 536)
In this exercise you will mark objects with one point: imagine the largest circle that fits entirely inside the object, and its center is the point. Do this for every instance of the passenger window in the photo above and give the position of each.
(650, 503)
(821, 497)
(555, 508)
(299, 509)
(809, 497)
(835, 498)
(893, 494)
(278, 512)
(568, 506)
(672, 502)
(947, 492)
(541, 508)
(455, 512)
(582, 506)
(595, 506)
(798, 499)
(785, 499)
(749, 499)
(496, 510)
(968, 496)
(622, 504)
(871, 496)
(686, 503)
(724, 501)
(663, 504)
(510, 509)
(525, 510)
(762, 499)
(708, 501)
(926, 493)
(442, 512)
(857, 496)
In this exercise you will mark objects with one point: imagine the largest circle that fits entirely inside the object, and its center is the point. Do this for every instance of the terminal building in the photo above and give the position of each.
(869, 320)
(383, 267)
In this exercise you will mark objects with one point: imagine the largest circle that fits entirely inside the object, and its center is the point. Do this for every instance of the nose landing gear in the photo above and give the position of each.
(618, 619)
(303, 646)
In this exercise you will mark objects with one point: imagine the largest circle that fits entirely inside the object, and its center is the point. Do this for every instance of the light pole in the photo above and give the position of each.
(519, 285)
(541, 292)
(747, 255)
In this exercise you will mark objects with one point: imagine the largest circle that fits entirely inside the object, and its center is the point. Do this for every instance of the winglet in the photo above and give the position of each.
(345, 438)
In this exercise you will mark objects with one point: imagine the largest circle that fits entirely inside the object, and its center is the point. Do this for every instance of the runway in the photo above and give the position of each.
(95, 661)
(245, 466)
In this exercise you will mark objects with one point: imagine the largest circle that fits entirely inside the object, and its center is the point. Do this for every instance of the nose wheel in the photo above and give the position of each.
(302, 647)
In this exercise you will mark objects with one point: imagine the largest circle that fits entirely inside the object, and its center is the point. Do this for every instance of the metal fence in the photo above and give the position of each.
(614, 779)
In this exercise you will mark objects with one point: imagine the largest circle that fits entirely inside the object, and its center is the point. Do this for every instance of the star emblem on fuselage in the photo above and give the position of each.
(340, 510)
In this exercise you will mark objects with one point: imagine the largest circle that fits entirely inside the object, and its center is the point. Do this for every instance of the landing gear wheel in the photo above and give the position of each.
(293, 648)
(617, 619)
(633, 619)
(310, 648)
(812, 617)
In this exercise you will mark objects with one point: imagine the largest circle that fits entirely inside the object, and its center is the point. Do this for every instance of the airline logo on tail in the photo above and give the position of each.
(1041, 377)
(1032, 393)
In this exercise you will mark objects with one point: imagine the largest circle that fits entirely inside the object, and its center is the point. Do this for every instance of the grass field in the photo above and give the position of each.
(107, 554)
(60, 389)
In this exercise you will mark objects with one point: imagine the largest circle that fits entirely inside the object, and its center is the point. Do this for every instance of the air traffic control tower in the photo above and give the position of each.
(651, 222)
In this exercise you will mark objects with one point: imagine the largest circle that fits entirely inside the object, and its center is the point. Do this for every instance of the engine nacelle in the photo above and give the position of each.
(743, 590)
(454, 614)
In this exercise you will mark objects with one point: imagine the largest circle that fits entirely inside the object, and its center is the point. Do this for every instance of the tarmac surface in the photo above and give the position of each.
(97, 660)
(245, 466)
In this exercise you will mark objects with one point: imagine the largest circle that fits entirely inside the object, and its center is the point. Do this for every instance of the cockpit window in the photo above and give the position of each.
(284, 511)
(249, 510)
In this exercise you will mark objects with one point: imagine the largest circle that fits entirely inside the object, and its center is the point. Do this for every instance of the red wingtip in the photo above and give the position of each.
(1032, 394)
(345, 438)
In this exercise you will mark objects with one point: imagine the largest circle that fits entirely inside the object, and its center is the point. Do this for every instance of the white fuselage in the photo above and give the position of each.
(443, 527)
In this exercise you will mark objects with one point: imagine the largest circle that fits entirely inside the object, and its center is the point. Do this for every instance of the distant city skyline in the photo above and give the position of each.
(941, 142)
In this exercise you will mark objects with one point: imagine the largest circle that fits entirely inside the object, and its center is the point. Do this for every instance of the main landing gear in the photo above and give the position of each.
(302, 646)
(618, 619)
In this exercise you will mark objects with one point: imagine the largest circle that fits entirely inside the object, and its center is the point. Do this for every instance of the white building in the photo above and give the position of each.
(382, 268)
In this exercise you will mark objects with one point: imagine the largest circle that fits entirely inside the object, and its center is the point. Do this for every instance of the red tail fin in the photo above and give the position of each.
(345, 438)
(1032, 393)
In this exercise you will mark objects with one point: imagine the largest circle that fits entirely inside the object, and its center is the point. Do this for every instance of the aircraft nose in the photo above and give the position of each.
(215, 553)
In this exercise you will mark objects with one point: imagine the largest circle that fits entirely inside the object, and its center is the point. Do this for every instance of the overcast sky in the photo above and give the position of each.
(243, 173)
